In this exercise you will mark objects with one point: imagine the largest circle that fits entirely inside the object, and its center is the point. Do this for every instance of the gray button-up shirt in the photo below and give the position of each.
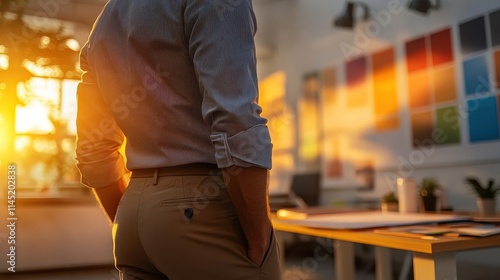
(177, 78)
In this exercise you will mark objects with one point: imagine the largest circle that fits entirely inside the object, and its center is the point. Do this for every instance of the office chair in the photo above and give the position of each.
(307, 187)
(304, 192)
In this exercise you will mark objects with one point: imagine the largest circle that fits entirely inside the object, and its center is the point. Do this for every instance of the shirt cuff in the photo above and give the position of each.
(103, 173)
(251, 147)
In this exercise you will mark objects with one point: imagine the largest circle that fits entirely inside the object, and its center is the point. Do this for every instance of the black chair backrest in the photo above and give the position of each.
(307, 187)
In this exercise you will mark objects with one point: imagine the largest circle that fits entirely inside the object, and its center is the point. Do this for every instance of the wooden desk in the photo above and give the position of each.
(432, 259)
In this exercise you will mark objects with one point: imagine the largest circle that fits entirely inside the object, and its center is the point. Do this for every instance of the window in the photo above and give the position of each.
(45, 135)
(272, 99)
(38, 108)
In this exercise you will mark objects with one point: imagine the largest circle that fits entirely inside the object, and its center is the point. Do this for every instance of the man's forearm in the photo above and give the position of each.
(248, 189)
(109, 196)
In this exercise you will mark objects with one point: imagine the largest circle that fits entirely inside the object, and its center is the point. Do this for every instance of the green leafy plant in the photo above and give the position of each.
(428, 187)
(390, 197)
(482, 191)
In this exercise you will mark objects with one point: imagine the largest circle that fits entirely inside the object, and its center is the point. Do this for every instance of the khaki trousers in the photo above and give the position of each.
(184, 227)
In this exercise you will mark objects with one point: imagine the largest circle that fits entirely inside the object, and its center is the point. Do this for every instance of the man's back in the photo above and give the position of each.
(178, 78)
(139, 52)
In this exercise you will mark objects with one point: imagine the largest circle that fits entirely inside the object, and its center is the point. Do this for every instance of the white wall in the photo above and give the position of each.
(302, 39)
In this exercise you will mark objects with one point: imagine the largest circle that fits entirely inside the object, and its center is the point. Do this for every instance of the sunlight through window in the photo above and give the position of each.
(272, 99)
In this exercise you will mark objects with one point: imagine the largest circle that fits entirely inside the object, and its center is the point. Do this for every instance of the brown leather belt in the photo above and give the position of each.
(192, 169)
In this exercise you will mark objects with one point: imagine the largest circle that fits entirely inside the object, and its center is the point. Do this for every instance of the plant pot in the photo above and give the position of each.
(389, 207)
(486, 206)
(428, 203)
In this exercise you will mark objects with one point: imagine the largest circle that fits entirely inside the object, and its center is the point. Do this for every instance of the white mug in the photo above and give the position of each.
(407, 195)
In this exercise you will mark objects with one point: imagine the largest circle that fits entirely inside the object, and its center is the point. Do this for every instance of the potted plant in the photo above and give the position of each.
(389, 202)
(486, 194)
(427, 190)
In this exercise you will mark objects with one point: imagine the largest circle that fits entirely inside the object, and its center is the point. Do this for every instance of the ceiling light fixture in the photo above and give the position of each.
(423, 6)
(347, 19)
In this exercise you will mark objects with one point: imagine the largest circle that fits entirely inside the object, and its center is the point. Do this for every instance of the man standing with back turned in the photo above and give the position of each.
(177, 79)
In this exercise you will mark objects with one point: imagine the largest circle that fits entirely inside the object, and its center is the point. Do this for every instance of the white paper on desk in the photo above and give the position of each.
(362, 220)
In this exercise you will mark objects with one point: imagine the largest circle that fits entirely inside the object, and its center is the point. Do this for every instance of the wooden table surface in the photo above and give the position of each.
(432, 259)
(367, 236)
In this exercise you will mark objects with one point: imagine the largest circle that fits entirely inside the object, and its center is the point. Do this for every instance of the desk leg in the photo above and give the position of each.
(405, 269)
(383, 263)
(440, 266)
(344, 260)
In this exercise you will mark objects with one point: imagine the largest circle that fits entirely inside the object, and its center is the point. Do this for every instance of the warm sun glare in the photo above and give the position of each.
(44, 98)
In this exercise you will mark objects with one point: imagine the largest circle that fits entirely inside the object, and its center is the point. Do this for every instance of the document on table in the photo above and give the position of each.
(479, 231)
(449, 230)
(361, 220)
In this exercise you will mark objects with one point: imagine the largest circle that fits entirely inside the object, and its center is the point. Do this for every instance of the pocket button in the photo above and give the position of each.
(188, 212)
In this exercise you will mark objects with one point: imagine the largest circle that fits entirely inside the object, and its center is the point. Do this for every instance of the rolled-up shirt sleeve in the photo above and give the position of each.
(221, 44)
(98, 136)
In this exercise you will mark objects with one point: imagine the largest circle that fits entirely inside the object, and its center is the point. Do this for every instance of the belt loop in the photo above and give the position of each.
(155, 177)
